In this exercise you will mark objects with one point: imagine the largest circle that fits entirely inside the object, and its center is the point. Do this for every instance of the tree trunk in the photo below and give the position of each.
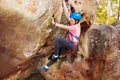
(119, 11)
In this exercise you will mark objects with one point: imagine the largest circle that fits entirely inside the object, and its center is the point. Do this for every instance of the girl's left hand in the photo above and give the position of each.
(53, 21)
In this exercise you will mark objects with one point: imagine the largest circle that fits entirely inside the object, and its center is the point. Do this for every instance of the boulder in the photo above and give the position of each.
(117, 25)
(25, 27)
(101, 51)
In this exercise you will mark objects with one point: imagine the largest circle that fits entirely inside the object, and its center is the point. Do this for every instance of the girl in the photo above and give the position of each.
(61, 45)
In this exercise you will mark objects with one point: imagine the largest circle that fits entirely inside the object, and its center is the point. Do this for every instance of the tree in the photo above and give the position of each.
(107, 11)
(119, 11)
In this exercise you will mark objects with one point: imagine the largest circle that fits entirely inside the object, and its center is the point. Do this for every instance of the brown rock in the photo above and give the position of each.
(26, 30)
(25, 26)
(117, 25)
(101, 53)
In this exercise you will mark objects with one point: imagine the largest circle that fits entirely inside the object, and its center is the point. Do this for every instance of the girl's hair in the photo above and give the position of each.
(76, 21)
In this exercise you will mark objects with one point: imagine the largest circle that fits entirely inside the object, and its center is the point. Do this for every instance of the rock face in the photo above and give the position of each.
(101, 58)
(102, 53)
(117, 25)
(26, 30)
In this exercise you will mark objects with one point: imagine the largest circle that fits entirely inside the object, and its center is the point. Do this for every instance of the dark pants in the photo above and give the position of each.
(61, 45)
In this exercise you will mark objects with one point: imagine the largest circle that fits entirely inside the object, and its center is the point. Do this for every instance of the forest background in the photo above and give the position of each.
(108, 11)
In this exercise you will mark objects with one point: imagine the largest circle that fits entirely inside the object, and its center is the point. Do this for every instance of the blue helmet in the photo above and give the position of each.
(75, 16)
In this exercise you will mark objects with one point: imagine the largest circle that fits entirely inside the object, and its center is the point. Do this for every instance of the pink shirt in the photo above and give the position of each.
(75, 32)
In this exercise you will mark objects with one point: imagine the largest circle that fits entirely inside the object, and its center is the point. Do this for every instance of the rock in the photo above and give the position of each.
(101, 57)
(100, 48)
(26, 40)
(117, 25)
(25, 27)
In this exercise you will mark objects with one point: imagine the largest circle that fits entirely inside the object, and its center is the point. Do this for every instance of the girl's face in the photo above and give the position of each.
(72, 21)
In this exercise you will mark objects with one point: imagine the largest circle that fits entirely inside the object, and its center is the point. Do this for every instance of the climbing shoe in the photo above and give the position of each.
(54, 57)
(44, 67)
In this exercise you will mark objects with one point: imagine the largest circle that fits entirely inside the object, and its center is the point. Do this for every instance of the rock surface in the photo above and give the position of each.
(26, 39)
(101, 58)
(25, 26)
(117, 25)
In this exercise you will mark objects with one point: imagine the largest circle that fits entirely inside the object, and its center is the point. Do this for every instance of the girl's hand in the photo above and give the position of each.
(53, 21)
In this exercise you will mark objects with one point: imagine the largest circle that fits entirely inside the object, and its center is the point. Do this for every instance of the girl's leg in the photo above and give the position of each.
(62, 51)
(59, 43)
(60, 46)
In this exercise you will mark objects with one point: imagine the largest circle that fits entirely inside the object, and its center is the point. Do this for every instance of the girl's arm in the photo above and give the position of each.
(61, 25)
